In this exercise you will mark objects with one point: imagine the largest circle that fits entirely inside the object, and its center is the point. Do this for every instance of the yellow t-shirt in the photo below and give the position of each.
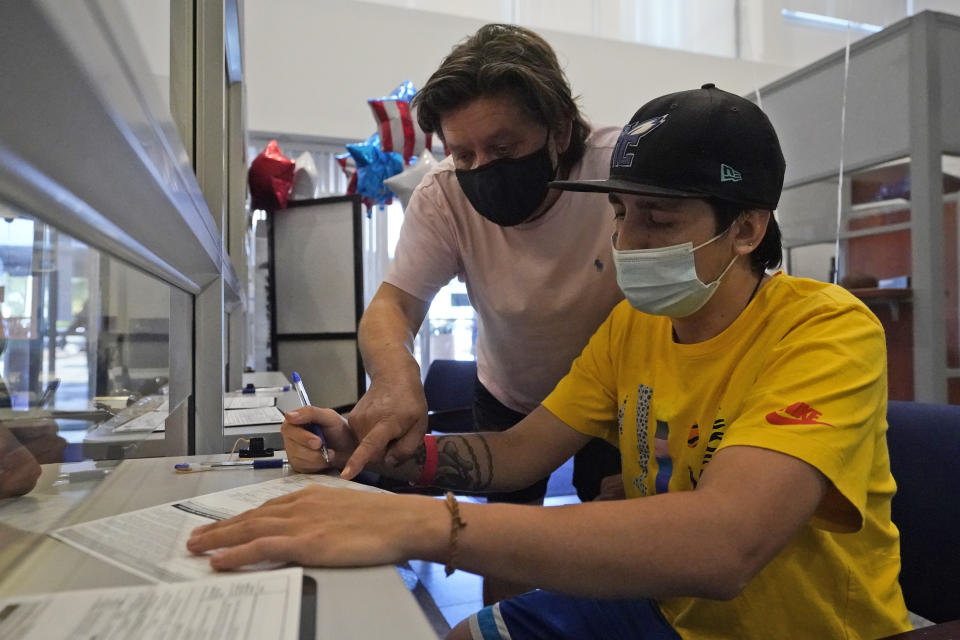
(801, 371)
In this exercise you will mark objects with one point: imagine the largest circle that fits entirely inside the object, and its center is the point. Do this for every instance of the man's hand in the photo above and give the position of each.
(321, 526)
(391, 417)
(303, 447)
(42, 439)
(19, 471)
(390, 421)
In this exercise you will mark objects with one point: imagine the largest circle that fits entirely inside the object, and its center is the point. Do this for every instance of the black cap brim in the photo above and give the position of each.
(615, 185)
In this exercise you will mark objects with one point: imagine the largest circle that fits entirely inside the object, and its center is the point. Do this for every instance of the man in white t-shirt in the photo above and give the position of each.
(536, 262)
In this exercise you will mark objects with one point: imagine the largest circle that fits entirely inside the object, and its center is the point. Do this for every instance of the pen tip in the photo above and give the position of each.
(296, 377)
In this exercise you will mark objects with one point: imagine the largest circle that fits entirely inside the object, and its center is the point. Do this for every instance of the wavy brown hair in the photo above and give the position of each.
(503, 59)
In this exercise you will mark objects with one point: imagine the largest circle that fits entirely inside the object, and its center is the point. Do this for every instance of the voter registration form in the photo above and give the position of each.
(151, 542)
(251, 606)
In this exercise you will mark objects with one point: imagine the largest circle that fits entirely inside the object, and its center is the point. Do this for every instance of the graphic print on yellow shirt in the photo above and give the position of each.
(652, 474)
(801, 371)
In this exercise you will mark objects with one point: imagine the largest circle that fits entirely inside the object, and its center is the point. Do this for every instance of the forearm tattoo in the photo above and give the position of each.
(464, 463)
(420, 456)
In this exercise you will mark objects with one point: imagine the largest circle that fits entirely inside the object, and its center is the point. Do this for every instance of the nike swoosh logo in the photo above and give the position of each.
(776, 418)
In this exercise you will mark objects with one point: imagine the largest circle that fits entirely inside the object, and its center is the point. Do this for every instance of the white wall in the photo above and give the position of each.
(702, 26)
(312, 64)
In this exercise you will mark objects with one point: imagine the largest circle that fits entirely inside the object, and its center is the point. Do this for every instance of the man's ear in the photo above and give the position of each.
(750, 227)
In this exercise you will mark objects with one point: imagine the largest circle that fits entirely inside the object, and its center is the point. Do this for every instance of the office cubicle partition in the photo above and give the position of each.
(316, 296)
(899, 157)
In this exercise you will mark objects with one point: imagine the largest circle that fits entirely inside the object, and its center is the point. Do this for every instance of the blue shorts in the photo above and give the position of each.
(545, 615)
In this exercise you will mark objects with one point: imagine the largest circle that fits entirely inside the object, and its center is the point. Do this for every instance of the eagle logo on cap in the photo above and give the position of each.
(643, 128)
(622, 154)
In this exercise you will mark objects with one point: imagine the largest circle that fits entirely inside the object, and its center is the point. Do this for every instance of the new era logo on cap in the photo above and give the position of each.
(729, 174)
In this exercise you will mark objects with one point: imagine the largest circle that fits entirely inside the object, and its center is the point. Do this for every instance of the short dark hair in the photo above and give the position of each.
(504, 59)
(769, 253)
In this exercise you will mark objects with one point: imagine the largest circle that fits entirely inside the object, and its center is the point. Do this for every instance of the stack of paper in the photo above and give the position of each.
(249, 402)
(259, 415)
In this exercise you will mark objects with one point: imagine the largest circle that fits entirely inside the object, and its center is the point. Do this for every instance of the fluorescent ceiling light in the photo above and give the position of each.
(829, 22)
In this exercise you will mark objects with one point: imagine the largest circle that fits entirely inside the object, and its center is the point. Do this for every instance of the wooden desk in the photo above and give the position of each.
(351, 603)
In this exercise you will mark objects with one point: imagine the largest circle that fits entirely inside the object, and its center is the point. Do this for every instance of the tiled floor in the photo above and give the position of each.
(460, 595)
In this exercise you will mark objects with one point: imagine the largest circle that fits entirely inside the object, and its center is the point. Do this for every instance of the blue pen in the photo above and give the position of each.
(192, 467)
(47, 394)
(305, 402)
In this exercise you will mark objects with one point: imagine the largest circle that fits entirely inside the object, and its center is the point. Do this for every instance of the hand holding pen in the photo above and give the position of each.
(303, 447)
(311, 427)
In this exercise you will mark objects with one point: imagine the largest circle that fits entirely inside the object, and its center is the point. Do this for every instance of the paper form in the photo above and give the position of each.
(151, 543)
(251, 606)
(243, 417)
(249, 401)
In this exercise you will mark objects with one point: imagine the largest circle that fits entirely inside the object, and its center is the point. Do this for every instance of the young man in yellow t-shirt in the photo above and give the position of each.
(749, 410)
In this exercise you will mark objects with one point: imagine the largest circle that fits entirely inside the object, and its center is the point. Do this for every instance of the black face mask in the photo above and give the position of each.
(507, 191)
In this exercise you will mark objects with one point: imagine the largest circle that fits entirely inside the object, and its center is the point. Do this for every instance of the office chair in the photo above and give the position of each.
(449, 391)
(924, 445)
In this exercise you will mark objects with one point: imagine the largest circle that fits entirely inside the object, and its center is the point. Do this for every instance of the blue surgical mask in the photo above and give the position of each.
(664, 281)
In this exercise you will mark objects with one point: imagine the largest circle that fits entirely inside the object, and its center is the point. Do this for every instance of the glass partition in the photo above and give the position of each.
(115, 278)
(84, 348)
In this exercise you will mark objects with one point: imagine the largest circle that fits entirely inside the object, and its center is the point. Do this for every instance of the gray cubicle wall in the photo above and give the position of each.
(316, 296)
(903, 94)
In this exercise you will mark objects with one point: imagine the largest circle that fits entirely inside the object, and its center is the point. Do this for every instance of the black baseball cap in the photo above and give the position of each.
(702, 143)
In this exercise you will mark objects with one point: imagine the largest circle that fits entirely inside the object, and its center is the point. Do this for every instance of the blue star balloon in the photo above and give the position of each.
(373, 167)
(403, 92)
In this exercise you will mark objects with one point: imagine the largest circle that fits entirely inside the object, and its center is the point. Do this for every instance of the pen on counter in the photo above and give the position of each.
(47, 396)
(312, 428)
(188, 467)
(252, 389)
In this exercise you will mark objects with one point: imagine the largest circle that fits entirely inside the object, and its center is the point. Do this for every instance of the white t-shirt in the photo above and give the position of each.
(540, 289)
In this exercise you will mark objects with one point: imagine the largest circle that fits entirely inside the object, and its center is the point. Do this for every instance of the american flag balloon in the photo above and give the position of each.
(397, 123)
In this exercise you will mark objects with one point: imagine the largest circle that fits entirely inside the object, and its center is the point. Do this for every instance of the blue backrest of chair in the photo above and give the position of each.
(924, 444)
(449, 384)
